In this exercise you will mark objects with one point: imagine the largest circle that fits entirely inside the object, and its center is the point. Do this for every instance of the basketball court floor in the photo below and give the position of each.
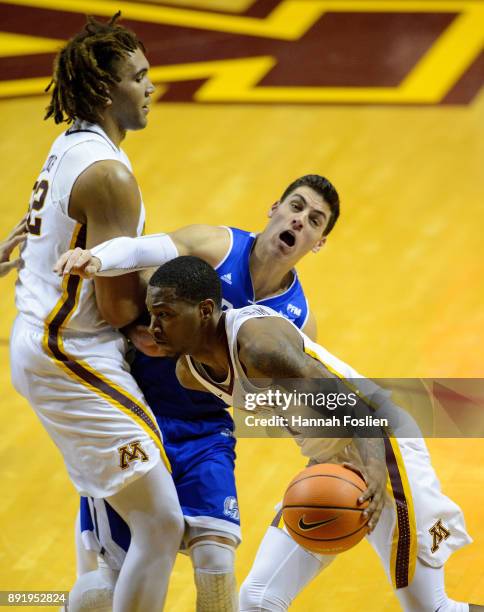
(382, 97)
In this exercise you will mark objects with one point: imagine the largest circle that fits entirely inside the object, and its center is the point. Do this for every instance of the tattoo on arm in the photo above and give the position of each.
(372, 450)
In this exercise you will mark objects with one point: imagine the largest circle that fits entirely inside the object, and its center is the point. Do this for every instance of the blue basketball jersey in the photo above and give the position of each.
(237, 289)
(156, 376)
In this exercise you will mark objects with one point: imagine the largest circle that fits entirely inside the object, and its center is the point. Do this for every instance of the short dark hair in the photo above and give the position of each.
(193, 279)
(322, 186)
(85, 69)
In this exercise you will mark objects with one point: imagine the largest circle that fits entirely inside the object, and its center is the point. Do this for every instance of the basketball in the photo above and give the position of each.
(321, 510)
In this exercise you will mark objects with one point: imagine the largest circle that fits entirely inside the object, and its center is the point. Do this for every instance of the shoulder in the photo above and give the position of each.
(268, 344)
(203, 231)
(82, 150)
(310, 328)
(209, 242)
(240, 233)
(106, 184)
(110, 173)
(258, 332)
(240, 239)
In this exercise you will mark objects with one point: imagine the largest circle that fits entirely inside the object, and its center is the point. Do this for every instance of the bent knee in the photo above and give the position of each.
(173, 521)
(93, 591)
(157, 530)
(257, 597)
(213, 555)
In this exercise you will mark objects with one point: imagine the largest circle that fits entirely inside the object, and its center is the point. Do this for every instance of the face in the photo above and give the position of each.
(131, 97)
(176, 325)
(297, 224)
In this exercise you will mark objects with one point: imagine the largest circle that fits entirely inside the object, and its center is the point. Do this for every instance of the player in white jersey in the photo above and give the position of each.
(16, 238)
(414, 527)
(67, 356)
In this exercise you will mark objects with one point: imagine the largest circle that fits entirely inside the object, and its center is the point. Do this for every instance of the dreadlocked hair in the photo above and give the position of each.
(85, 69)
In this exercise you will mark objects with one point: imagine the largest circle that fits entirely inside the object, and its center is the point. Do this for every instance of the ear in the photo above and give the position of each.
(108, 101)
(206, 309)
(319, 244)
(273, 208)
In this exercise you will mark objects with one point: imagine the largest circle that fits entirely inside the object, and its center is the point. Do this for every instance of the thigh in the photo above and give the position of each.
(205, 483)
(91, 407)
(150, 504)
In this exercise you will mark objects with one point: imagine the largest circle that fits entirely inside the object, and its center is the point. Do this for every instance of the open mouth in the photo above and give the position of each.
(288, 238)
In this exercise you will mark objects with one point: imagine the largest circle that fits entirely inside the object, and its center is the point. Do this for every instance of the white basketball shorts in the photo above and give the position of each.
(91, 406)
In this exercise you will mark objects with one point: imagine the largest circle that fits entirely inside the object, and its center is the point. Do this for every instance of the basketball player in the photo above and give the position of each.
(67, 357)
(197, 430)
(418, 528)
(278, 587)
(16, 238)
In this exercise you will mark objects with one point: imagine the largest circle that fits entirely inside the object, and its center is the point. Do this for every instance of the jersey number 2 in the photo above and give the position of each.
(39, 193)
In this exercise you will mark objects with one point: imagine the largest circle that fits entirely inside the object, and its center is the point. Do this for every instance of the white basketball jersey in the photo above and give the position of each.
(237, 384)
(41, 296)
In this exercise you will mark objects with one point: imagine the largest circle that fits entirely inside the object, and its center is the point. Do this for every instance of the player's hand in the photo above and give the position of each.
(375, 476)
(143, 340)
(16, 237)
(78, 261)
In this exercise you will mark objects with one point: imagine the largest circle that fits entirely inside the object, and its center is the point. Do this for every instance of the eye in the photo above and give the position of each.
(315, 221)
(296, 205)
(159, 315)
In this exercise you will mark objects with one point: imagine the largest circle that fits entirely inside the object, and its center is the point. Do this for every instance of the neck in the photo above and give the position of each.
(112, 129)
(280, 276)
(212, 348)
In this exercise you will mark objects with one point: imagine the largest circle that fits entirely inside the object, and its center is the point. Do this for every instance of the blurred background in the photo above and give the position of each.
(384, 98)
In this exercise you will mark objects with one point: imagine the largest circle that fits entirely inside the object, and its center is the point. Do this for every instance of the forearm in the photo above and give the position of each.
(371, 450)
(121, 255)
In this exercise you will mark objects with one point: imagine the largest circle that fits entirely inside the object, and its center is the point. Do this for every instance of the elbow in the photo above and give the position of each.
(119, 322)
(119, 316)
(120, 300)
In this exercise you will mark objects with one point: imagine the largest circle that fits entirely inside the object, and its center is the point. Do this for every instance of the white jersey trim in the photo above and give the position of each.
(229, 250)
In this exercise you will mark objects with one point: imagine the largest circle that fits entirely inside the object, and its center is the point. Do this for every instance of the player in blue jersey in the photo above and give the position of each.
(197, 430)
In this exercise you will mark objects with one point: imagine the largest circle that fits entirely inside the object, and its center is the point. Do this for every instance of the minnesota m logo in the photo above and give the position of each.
(439, 533)
(129, 453)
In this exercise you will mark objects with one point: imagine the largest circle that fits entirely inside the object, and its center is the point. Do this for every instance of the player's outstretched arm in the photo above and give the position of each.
(126, 254)
(16, 237)
(272, 348)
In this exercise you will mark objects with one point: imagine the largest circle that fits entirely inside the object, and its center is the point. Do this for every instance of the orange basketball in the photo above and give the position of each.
(321, 510)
